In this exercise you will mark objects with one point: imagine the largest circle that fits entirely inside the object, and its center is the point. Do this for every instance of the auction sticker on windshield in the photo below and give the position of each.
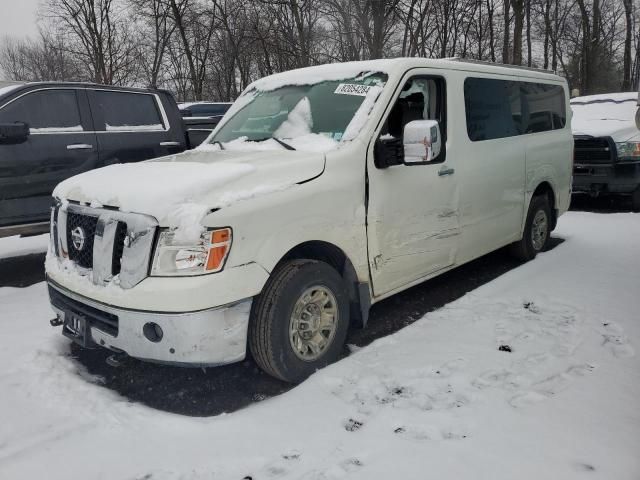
(353, 89)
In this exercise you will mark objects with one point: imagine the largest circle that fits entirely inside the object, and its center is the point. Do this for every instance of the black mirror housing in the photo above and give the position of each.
(13, 133)
(388, 152)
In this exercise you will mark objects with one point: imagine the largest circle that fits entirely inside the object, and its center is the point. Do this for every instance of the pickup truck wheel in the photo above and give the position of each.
(299, 322)
(536, 230)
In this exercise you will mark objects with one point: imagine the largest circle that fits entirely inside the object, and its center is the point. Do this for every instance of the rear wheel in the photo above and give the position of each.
(536, 231)
(299, 322)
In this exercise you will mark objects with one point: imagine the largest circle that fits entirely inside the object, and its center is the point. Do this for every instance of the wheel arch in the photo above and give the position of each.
(359, 293)
(545, 188)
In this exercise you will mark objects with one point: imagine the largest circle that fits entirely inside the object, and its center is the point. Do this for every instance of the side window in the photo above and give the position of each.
(493, 108)
(504, 108)
(421, 98)
(124, 111)
(208, 109)
(45, 111)
(546, 106)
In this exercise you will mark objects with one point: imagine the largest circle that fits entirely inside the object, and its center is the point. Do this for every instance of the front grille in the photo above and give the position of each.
(118, 248)
(594, 150)
(106, 322)
(81, 230)
(84, 229)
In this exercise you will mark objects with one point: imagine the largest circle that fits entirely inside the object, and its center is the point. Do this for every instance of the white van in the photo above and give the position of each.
(322, 191)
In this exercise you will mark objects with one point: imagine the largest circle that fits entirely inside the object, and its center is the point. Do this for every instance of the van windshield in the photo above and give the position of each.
(327, 110)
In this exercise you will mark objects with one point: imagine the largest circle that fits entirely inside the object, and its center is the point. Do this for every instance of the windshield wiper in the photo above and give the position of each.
(284, 144)
(219, 143)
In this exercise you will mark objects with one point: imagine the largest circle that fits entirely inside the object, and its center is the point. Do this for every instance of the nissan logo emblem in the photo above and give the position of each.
(78, 238)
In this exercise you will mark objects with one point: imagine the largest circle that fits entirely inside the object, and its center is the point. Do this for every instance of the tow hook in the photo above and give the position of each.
(116, 359)
(56, 322)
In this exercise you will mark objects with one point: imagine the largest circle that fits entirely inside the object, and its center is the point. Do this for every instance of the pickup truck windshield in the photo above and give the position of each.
(325, 108)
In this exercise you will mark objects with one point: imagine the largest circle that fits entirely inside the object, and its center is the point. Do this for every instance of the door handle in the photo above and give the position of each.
(446, 171)
(169, 144)
(79, 146)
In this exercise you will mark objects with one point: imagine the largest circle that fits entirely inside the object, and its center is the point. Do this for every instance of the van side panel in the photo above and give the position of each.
(549, 158)
(492, 171)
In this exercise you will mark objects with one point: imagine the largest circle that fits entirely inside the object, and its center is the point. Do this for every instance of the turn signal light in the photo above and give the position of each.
(220, 244)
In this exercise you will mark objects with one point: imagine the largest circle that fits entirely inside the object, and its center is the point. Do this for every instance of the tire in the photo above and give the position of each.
(536, 231)
(291, 307)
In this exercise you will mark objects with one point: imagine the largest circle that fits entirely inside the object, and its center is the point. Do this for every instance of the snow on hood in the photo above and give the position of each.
(611, 115)
(179, 190)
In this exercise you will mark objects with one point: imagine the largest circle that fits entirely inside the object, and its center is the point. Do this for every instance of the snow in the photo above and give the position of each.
(606, 115)
(184, 105)
(76, 128)
(136, 128)
(298, 122)
(16, 246)
(606, 97)
(359, 120)
(311, 142)
(168, 187)
(322, 73)
(436, 397)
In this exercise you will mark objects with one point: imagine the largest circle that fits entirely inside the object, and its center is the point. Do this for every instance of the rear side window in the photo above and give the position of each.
(505, 108)
(45, 111)
(124, 111)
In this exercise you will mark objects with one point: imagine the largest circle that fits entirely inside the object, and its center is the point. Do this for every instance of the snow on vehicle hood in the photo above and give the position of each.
(179, 190)
(610, 115)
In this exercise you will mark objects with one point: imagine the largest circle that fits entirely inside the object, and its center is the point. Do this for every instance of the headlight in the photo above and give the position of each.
(628, 151)
(208, 255)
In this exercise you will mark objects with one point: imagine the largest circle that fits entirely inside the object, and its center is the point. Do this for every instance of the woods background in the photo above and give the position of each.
(212, 49)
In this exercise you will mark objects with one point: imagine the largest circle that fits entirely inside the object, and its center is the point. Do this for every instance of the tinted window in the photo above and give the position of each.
(45, 110)
(128, 111)
(421, 99)
(208, 109)
(503, 108)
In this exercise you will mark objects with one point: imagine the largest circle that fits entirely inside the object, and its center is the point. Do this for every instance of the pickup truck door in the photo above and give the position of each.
(412, 224)
(61, 144)
(134, 126)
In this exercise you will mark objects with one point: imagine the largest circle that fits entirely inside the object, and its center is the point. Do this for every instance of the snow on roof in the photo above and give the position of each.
(606, 97)
(323, 73)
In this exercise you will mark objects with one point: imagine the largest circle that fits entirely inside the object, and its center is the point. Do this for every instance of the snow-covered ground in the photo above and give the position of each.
(16, 246)
(436, 400)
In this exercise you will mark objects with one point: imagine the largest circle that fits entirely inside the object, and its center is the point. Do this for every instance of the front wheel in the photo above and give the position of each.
(299, 322)
(536, 230)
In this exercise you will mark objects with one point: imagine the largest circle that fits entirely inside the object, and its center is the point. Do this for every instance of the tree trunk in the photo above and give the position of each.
(507, 26)
(626, 70)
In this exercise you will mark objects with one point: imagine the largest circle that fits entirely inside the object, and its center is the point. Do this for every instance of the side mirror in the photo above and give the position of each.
(422, 141)
(388, 152)
(13, 133)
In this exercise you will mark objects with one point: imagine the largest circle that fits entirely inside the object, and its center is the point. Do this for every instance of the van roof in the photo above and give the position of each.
(340, 71)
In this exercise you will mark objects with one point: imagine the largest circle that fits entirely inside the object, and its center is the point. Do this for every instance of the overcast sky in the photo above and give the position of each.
(18, 18)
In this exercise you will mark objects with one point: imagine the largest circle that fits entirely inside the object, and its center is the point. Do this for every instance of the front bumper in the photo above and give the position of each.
(214, 336)
(617, 178)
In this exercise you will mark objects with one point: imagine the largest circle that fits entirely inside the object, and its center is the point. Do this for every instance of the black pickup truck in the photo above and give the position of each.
(52, 131)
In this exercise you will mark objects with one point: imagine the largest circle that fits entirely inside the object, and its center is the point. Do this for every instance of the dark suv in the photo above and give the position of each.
(52, 131)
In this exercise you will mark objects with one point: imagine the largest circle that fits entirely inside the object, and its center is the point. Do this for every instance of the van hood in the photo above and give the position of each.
(192, 183)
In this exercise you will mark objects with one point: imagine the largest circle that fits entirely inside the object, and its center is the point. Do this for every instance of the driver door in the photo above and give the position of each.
(413, 218)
